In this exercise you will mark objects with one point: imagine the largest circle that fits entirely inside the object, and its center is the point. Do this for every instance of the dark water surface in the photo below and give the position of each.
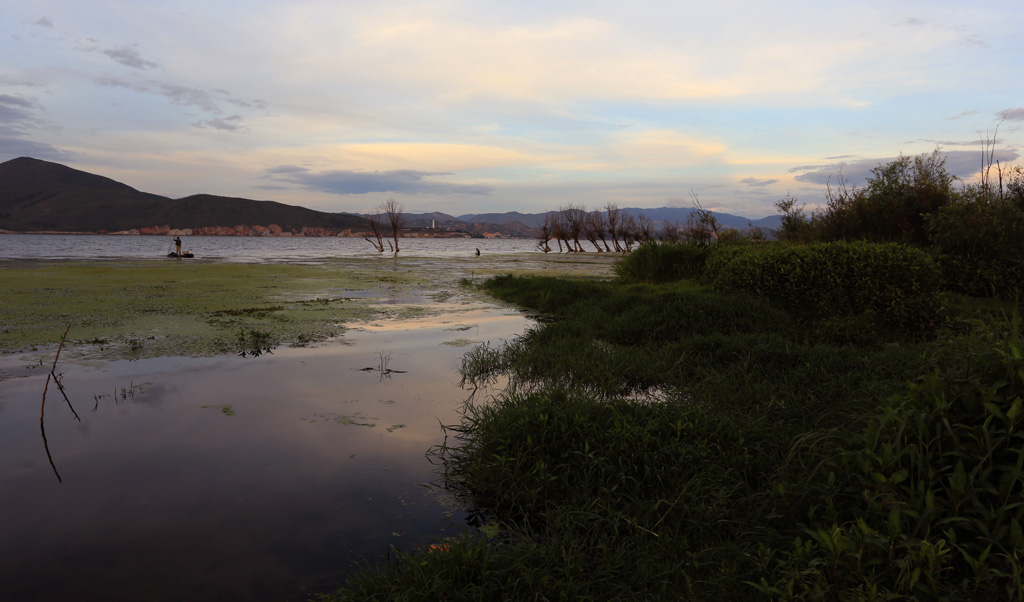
(230, 478)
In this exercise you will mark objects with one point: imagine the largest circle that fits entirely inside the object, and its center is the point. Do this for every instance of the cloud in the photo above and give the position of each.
(43, 22)
(129, 57)
(17, 119)
(962, 115)
(180, 95)
(757, 182)
(16, 115)
(13, 147)
(1013, 114)
(206, 100)
(231, 123)
(973, 40)
(405, 181)
(963, 164)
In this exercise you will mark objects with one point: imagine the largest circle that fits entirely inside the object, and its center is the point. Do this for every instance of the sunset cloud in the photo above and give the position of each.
(406, 181)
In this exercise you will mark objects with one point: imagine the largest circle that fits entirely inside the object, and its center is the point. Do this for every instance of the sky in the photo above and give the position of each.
(468, 107)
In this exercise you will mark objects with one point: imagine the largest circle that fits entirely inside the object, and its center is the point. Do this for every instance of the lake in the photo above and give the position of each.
(242, 248)
(233, 477)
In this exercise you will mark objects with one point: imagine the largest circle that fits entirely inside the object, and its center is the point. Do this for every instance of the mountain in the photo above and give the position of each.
(39, 195)
(529, 220)
(659, 215)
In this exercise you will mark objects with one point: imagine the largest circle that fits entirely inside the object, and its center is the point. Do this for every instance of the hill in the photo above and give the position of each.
(39, 196)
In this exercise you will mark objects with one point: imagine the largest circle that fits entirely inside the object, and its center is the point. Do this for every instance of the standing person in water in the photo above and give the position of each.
(177, 245)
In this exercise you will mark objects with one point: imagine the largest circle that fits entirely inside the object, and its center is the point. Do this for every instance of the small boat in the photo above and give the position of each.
(185, 255)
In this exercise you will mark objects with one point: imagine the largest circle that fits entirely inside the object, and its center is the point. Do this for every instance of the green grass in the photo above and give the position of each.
(667, 442)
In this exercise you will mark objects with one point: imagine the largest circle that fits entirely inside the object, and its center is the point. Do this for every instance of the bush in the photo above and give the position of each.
(898, 285)
(663, 262)
(979, 242)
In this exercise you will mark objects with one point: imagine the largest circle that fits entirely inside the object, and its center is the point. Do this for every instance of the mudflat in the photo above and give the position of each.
(142, 309)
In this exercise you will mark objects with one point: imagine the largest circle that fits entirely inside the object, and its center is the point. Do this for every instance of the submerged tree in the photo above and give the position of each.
(574, 217)
(376, 220)
(396, 218)
(613, 217)
(594, 228)
(545, 234)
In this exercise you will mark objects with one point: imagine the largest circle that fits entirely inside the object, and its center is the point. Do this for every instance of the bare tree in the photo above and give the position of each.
(558, 228)
(396, 218)
(613, 217)
(705, 216)
(574, 216)
(644, 228)
(628, 231)
(593, 228)
(988, 158)
(545, 234)
(375, 220)
(696, 230)
(670, 231)
(600, 224)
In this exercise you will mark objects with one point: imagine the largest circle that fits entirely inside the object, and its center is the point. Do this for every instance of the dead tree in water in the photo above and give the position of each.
(574, 217)
(559, 230)
(629, 231)
(594, 229)
(375, 227)
(545, 234)
(396, 218)
(613, 218)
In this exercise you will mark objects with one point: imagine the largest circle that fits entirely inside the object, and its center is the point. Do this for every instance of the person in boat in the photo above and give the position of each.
(177, 245)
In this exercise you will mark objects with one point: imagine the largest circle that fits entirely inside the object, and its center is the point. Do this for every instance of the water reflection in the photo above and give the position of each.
(228, 479)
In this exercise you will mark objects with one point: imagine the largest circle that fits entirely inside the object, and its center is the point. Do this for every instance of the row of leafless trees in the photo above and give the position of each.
(612, 230)
(609, 230)
(391, 213)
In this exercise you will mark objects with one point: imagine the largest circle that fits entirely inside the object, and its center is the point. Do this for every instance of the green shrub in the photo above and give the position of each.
(897, 284)
(663, 262)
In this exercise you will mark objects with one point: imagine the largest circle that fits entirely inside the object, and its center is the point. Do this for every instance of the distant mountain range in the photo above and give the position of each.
(41, 196)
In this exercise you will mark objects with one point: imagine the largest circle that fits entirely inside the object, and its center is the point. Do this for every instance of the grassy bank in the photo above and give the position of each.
(670, 442)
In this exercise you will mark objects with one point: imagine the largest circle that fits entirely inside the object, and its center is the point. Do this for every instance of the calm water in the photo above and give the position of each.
(229, 478)
(241, 248)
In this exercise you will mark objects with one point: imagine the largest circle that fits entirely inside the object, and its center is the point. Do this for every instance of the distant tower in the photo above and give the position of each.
(432, 224)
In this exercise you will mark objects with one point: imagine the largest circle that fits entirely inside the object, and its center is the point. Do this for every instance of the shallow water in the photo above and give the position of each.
(232, 478)
(242, 248)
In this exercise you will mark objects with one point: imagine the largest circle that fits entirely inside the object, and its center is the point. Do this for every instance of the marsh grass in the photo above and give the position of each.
(784, 458)
(147, 309)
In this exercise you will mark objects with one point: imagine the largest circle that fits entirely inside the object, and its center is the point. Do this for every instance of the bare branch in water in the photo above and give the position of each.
(42, 406)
